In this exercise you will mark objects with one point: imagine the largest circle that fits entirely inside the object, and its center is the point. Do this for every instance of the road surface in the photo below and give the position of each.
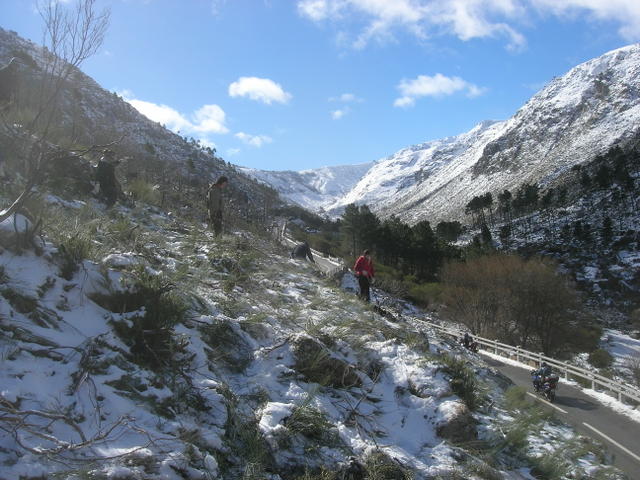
(618, 432)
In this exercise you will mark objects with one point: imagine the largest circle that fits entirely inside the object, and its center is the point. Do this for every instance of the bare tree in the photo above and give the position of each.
(71, 35)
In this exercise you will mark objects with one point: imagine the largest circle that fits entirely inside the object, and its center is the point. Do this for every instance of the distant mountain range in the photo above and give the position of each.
(574, 118)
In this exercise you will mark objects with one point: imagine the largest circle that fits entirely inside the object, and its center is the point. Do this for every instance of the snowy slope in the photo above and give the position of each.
(273, 371)
(574, 118)
(314, 189)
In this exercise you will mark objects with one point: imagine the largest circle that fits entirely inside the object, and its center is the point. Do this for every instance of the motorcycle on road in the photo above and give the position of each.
(546, 386)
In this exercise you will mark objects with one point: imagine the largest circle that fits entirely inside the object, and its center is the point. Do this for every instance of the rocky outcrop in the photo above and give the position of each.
(456, 423)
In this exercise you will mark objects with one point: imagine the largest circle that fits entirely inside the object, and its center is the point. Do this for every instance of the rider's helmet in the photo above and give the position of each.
(544, 364)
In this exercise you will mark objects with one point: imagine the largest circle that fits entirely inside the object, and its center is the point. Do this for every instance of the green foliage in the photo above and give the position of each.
(463, 381)
(144, 192)
(72, 251)
(379, 466)
(150, 333)
(311, 423)
(600, 358)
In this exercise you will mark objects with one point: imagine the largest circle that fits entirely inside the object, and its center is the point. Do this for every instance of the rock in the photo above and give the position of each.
(456, 423)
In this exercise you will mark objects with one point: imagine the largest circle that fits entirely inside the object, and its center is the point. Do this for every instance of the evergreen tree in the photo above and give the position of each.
(485, 234)
(449, 231)
(607, 231)
(426, 254)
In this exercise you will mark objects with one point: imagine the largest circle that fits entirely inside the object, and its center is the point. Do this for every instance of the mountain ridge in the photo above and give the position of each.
(574, 118)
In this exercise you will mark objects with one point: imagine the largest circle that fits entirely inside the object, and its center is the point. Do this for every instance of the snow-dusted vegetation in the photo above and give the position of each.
(135, 345)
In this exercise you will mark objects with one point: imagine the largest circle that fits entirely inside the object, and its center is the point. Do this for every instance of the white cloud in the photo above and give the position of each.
(216, 6)
(163, 114)
(338, 114)
(210, 119)
(206, 120)
(259, 89)
(626, 13)
(466, 19)
(254, 140)
(346, 98)
(231, 152)
(436, 86)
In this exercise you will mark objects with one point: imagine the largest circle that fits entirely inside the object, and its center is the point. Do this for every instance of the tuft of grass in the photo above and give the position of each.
(150, 334)
(379, 466)
(145, 192)
(226, 345)
(311, 423)
(463, 381)
(72, 250)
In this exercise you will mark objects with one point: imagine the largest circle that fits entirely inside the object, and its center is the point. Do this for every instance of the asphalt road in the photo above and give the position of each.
(620, 433)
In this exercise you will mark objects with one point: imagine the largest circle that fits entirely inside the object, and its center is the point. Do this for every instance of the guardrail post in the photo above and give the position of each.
(593, 383)
(540, 354)
(495, 347)
(620, 397)
(518, 354)
(566, 372)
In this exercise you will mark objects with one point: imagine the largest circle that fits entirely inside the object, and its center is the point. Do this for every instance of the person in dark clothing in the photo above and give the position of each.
(8, 82)
(106, 178)
(302, 251)
(466, 340)
(215, 205)
(365, 274)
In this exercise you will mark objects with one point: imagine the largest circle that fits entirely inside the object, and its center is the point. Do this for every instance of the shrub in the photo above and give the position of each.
(311, 423)
(379, 466)
(72, 251)
(600, 358)
(143, 191)
(463, 381)
(150, 333)
(529, 299)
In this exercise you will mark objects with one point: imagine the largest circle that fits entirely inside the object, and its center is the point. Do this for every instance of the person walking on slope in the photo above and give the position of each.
(302, 251)
(110, 189)
(215, 205)
(365, 273)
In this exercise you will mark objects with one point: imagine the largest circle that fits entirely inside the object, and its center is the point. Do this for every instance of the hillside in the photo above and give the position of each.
(92, 116)
(150, 353)
(576, 117)
(315, 189)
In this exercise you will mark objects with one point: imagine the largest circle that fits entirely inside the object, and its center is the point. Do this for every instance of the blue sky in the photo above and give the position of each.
(297, 84)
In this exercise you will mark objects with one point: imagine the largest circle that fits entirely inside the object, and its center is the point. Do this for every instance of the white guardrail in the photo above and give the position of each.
(619, 389)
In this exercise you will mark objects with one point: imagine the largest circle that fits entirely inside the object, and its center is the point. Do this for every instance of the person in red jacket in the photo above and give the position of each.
(364, 272)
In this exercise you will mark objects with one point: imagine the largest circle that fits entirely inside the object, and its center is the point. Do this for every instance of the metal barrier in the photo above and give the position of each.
(620, 389)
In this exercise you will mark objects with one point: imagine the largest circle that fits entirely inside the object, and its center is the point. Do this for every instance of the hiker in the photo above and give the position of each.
(8, 82)
(302, 251)
(215, 205)
(365, 273)
(106, 177)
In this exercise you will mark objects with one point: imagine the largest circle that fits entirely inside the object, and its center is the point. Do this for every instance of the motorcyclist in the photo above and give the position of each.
(540, 374)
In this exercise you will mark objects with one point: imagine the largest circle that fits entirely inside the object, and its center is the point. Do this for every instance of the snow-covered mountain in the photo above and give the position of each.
(574, 118)
(315, 189)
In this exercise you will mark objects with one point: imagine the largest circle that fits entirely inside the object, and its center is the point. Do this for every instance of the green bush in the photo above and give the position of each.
(379, 466)
(425, 294)
(72, 251)
(600, 358)
(150, 334)
(463, 381)
(143, 191)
